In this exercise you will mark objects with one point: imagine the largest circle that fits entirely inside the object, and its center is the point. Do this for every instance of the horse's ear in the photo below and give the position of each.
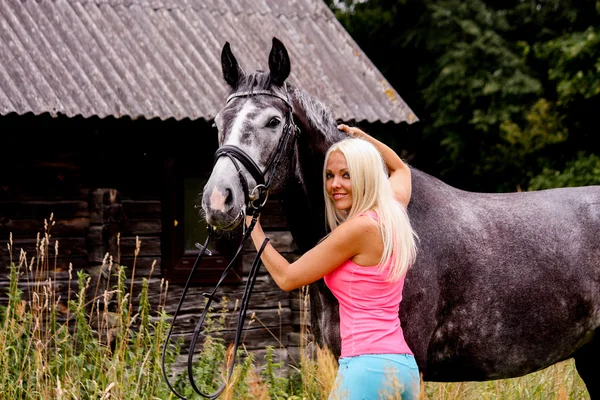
(279, 62)
(232, 72)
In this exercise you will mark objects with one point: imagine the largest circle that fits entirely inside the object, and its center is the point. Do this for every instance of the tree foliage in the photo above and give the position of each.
(506, 91)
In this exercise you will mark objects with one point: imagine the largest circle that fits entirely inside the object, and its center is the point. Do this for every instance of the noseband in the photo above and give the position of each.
(255, 200)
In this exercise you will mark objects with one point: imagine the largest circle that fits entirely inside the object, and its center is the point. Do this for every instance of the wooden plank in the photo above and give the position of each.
(141, 227)
(210, 272)
(273, 221)
(67, 247)
(29, 228)
(39, 275)
(102, 203)
(149, 246)
(62, 262)
(60, 300)
(256, 318)
(39, 209)
(268, 327)
(298, 339)
(272, 207)
(40, 192)
(254, 338)
(299, 318)
(61, 273)
(148, 209)
(143, 265)
(297, 300)
(265, 294)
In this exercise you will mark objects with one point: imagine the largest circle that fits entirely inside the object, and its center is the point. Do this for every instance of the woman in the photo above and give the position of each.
(363, 260)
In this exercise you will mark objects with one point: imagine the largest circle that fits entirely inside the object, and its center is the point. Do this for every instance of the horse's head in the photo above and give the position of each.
(257, 120)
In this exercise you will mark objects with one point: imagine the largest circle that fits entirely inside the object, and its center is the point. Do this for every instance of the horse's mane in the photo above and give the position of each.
(258, 80)
(316, 112)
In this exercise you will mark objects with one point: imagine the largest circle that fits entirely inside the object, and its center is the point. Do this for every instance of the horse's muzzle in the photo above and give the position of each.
(220, 209)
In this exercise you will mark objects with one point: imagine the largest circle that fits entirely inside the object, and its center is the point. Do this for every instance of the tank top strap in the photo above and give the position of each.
(371, 214)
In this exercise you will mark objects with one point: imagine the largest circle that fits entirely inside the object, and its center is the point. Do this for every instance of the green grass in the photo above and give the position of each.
(559, 382)
(88, 352)
(47, 352)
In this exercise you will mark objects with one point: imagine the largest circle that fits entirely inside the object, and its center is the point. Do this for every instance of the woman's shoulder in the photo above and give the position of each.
(364, 231)
(371, 214)
(356, 231)
(364, 222)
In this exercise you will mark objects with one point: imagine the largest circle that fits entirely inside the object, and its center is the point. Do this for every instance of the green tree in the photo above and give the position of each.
(583, 171)
(505, 90)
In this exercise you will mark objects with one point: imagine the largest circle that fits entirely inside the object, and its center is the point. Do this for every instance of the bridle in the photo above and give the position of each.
(255, 200)
(259, 194)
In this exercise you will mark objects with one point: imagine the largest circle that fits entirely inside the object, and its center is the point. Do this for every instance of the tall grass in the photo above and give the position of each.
(85, 350)
(88, 351)
(559, 382)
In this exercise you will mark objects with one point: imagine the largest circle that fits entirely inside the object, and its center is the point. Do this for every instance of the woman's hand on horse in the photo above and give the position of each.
(351, 131)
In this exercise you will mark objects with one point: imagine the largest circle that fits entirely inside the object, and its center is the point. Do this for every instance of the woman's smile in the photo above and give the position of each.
(337, 181)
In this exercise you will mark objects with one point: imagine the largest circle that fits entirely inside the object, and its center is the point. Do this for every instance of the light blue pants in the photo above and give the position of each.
(377, 376)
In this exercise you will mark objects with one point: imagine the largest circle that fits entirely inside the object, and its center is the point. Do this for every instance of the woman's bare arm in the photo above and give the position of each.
(344, 242)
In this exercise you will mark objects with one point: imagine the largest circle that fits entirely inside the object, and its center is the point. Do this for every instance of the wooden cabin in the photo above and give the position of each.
(106, 110)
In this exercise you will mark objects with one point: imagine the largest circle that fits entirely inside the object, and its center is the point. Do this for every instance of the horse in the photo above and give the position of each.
(504, 284)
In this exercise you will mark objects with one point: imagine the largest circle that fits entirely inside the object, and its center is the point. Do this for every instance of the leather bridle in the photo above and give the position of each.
(259, 194)
(255, 200)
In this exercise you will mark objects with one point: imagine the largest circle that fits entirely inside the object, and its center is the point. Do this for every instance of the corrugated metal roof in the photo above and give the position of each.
(161, 58)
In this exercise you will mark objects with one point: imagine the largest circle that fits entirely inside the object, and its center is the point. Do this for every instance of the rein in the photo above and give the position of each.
(255, 200)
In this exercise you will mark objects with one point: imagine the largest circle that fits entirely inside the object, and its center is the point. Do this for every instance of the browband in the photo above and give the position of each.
(255, 92)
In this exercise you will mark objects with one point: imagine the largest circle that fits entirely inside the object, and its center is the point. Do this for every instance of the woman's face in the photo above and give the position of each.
(337, 181)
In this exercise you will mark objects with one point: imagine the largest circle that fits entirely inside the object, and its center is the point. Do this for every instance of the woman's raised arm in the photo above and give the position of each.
(400, 178)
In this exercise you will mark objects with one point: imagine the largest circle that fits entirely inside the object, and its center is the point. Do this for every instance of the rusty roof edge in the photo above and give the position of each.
(106, 116)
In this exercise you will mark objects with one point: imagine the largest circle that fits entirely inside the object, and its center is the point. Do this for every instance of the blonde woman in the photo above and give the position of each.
(363, 260)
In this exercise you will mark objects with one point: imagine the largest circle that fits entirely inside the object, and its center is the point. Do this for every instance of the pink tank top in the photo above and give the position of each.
(369, 307)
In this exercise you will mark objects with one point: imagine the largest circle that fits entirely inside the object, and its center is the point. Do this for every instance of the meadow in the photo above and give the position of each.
(88, 351)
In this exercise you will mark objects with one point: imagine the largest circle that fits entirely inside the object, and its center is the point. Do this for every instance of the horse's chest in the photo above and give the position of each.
(328, 319)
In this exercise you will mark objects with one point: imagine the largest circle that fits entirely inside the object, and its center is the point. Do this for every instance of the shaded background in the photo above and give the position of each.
(507, 92)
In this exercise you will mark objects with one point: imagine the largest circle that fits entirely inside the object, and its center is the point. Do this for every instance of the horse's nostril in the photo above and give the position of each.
(228, 196)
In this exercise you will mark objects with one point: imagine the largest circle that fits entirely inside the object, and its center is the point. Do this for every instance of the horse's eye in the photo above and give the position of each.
(273, 122)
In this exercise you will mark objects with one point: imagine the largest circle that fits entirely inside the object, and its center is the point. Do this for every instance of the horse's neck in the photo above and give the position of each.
(302, 200)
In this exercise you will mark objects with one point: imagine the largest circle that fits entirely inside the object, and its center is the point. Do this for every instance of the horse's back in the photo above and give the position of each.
(510, 282)
(570, 216)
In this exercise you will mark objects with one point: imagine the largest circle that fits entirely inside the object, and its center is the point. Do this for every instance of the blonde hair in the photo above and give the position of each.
(371, 190)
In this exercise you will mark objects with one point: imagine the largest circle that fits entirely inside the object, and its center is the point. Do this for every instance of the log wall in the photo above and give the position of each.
(100, 207)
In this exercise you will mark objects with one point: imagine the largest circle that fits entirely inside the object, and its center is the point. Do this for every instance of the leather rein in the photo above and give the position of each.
(255, 200)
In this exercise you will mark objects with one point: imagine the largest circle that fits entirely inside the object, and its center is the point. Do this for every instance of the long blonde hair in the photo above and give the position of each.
(371, 190)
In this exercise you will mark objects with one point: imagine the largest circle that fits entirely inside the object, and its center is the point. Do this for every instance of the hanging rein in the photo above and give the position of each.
(255, 200)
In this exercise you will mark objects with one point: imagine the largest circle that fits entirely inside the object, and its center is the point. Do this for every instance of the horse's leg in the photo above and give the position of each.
(587, 362)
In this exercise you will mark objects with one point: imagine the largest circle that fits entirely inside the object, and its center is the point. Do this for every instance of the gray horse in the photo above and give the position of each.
(504, 284)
